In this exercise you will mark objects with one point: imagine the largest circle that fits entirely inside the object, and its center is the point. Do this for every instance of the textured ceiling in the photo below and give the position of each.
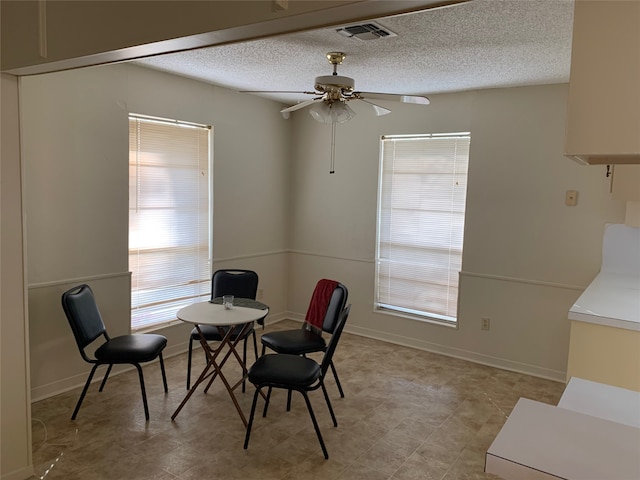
(475, 45)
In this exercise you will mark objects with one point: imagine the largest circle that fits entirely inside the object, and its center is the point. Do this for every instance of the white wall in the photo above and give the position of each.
(527, 256)
(15, 411)
(75, 136)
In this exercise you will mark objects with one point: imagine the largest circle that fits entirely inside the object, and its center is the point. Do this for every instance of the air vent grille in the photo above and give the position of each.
(366, 31)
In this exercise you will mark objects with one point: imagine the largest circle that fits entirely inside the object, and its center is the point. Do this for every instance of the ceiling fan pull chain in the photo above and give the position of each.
(333, 147)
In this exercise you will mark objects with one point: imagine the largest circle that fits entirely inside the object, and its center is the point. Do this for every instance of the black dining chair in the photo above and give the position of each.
(294, 372)
(80, 307)
(240, 284)
(305, 340)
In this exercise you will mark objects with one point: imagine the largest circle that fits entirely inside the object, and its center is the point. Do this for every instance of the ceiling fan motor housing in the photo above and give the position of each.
(329, 83)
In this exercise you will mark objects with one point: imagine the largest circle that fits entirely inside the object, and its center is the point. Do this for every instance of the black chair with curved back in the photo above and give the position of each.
(240, 284)
(295, 372)
(80, 307)
(308, 339)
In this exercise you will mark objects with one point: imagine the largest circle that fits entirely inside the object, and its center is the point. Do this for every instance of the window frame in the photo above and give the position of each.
(172, 304)
(386, 307)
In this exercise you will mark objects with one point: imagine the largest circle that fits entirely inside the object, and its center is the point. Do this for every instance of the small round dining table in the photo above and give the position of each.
(242, 314)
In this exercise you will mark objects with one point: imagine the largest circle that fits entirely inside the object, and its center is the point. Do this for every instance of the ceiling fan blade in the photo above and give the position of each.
(377, 108)
(278, 91)
(393, 97)
(300, 105)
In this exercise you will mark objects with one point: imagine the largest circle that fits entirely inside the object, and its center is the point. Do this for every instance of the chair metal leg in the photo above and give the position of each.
(144, 392)
(106, 375)
(266, 402)
(264, 348)
(255, 344)
(164, 375)
(244, 355)
(189, 362)
(315, 424)
(250, 424)
(84, 392)
(335, 375)
(289, 395)
(244, 361)
(326, 397)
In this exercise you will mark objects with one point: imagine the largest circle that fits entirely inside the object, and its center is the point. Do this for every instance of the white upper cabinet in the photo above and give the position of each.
(625, 183)
(603, 116)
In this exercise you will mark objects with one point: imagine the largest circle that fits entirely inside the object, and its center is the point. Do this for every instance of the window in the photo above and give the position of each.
(421, 204)
(169, 218)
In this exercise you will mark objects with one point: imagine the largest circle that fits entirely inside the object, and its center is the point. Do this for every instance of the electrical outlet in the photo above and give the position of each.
(571, 198)
(259, 293)
(486, 323)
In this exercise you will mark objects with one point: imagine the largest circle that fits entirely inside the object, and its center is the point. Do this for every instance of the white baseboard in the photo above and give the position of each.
(77, 381)
(461, 354)
(64, 385)
(20, 474)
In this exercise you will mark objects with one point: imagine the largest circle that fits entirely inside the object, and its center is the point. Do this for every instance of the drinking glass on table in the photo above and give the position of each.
(227, 301)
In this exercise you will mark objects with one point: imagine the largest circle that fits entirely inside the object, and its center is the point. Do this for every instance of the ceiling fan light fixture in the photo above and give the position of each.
(333, 112)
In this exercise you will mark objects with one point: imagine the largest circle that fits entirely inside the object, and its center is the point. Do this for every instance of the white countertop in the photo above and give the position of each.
(613, 298)
(603, 401)
(543, 441)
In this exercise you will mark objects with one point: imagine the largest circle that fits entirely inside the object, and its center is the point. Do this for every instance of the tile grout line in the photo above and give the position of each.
(421, 444)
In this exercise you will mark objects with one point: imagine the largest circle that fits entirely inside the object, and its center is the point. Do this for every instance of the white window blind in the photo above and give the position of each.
(421, 206)
(169, 218)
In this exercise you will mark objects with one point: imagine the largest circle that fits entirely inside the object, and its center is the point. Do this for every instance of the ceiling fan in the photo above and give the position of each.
(333, 92)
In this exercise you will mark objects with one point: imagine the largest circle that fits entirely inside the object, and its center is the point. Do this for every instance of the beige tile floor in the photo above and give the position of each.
(407, 415)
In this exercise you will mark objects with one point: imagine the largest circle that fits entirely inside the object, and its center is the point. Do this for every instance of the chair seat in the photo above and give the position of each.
(296, 342)
(212, 334)
(290, 371)
(131, 348)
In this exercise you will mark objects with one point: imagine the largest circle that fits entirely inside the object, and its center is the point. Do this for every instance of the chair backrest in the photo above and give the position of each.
(239, 283)
(85, 320)
(336, 305)
(335, 337)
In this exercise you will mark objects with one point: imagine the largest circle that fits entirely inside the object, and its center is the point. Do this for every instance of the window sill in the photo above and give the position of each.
(418, 318)
(159, 326)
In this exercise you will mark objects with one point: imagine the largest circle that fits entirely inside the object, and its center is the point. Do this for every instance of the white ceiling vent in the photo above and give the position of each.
(366, 31)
